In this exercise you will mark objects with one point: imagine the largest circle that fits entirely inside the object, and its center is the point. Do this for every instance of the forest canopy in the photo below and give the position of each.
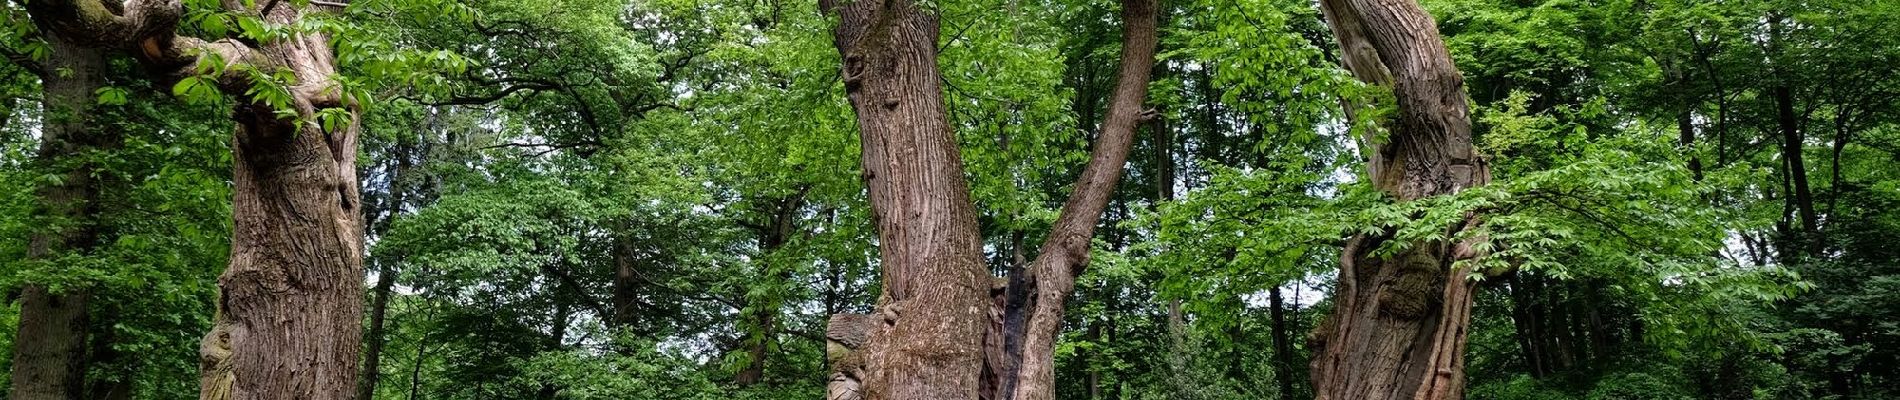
(980, 199)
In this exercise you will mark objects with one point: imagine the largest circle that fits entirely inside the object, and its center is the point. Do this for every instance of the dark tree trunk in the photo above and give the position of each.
(1399, 324)
(386, 275)
(377, 337)
(1685, 128)
(49, 349)
(1282, 343)
(626, 284)
(1524, 326)
(1792, 147)
(773, 236)
(1019, 296)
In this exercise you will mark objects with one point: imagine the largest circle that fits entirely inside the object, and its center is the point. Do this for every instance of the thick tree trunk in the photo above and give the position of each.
(1399, 325)
(927, 339)
(925, 342)
(49, 349)
(290, 303)
(50, 344)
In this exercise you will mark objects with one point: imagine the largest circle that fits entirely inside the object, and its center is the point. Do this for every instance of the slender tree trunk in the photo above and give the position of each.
(386, 275)
(1399, 325)
(49, 349)
(626, 283)
(773, 236)
(1685, 127)
(1065, 253)
(1792, 147)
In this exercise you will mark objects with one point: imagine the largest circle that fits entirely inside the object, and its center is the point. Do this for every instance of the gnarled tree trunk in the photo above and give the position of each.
(1399, 324)
(290, 302)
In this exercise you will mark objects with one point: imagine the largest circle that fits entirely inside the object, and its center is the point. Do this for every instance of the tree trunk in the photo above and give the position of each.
(377, 337)
(291, 299)
(386, 274)
(626, 283)
(1282, 343)
(1792, 146)
(1685, 127)
(290, 302)
(1399, 324)
(1065, 253)
(49, 349)
(927, 336)
(772, 236)
(1018, 299)
(927, 339)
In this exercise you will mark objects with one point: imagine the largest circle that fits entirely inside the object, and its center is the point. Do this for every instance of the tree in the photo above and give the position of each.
(49, 354)
(929, 342)
(291, 293)
(1400, 320)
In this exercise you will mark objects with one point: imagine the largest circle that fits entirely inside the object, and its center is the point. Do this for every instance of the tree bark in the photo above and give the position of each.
(927, 338)
(290, 302)
(925, 342)
(1399, 325)
(49, 349)
(1065, 253)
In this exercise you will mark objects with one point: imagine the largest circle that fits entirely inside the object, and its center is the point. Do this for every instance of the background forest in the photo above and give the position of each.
(663, 199)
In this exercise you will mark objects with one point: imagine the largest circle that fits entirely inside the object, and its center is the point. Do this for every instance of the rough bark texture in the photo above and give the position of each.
(1066, 251)
(290, 306)
(844, 335)
(926, 339)
(49, 350)
(290, 303)
(1399, 325)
